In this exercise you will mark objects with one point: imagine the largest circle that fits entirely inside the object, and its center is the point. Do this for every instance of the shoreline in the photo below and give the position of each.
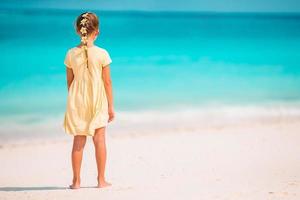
(123, 130)
(209, 118)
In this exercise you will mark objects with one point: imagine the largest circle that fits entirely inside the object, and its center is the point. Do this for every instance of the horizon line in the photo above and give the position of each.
(153, 11)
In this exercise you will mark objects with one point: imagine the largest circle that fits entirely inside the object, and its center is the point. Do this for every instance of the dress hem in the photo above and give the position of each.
(84, 134)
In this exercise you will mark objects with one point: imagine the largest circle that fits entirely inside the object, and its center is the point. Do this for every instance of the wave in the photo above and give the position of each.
(182, 120)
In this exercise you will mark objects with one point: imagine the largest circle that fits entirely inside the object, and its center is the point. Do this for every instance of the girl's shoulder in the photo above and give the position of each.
(101, 50)
(95, 52)
(96, 48)
(104, 56)
(72, 49)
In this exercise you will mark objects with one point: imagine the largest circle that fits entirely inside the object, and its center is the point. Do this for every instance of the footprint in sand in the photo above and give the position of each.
(294, 183)
(124, 188)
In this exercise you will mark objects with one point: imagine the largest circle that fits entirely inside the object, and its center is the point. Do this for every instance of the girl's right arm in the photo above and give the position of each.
(70, 77)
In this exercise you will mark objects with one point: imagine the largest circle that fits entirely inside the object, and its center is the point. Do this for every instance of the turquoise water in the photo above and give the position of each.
(160, 59)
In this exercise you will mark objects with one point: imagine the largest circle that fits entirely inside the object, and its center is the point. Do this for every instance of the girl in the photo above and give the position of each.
(90, 101)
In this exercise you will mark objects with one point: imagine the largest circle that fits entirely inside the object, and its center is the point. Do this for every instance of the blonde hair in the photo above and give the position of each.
(86, 24)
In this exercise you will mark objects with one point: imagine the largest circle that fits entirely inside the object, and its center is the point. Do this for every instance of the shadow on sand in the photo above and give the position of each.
(18, 189)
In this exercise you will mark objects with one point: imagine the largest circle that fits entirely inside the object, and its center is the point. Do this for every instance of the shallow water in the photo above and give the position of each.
(161, 60)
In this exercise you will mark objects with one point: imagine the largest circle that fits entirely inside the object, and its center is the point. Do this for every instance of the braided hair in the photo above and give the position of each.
(86, 24)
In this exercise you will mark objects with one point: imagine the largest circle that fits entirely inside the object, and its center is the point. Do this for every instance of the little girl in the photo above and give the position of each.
(90, 101)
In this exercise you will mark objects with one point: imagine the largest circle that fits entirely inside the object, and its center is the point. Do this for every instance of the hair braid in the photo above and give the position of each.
(86, 24)
(84, 34)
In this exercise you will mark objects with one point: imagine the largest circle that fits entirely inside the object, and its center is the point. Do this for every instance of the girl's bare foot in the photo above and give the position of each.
(102, 184)
(75, 185)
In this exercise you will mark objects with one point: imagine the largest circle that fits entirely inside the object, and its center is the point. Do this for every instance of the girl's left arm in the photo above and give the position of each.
(109, 91)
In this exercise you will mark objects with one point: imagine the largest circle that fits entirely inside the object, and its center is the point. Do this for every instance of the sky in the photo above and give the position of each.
(162, 5)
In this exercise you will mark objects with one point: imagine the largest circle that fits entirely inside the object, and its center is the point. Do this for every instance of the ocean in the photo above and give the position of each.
(161, 62)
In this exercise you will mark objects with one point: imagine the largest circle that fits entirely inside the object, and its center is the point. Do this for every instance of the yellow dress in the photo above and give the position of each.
(87, 106)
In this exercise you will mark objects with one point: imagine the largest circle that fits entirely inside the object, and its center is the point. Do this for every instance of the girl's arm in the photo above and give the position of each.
(108, 89)
(70, 77)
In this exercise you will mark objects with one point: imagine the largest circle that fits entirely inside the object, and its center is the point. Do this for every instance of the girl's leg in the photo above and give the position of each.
(77, 151)
(100, 153)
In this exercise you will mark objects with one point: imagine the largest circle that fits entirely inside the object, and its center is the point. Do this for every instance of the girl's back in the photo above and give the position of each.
(77, 61)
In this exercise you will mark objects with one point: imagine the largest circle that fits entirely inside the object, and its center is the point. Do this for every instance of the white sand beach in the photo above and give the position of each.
(258, 161)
